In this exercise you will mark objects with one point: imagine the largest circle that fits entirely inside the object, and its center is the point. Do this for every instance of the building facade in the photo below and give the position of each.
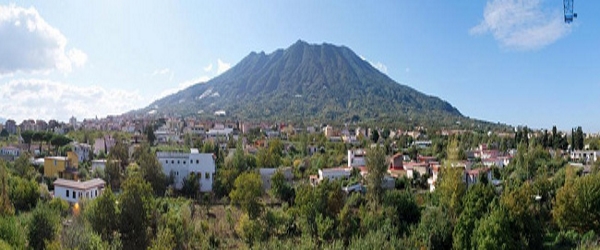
(74, 191)
(180, 165)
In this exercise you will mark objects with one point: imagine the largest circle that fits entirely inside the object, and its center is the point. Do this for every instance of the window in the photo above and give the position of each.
(96, 193)
(172, 161)
(54, 162)
(177, 161)
(206, 175)
(183, 162)
(167, 162)
(67, 193)
(197, 161)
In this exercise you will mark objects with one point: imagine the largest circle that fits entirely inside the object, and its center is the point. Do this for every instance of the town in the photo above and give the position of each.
(216, 162)
(334, 125)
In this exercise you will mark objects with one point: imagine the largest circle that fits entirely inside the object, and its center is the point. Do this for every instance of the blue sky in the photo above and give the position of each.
(509, 61)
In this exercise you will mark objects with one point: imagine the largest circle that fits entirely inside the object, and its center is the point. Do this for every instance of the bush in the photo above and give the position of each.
(11, 233)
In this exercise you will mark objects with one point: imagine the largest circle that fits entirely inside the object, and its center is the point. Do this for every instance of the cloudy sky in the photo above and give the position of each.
(510, 61)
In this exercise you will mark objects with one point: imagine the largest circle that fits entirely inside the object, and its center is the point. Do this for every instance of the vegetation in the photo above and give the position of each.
(542, 201)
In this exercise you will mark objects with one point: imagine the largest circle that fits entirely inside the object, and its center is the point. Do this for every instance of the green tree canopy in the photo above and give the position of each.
(577, 204)
(136, 205)
(246, 192)
(377, 167)
(102, 214)
(43, 226)
(152, 170)
(280, 189)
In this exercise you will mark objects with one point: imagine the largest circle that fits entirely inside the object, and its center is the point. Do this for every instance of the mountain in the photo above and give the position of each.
(307, 82)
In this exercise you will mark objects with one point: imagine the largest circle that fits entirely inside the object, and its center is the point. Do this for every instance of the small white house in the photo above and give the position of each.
(11, 151)
(180, 165)
(334, 173)
(356, 158)
(74, 191)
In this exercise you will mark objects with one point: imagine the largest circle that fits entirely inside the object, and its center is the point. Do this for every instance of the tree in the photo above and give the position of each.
(11, 232)
(476, 203)
(6, 207)
(375, 136)
(58, 141)
(27, 137)
(270, 157)
(38, 137)
(434, 230)
(23, 193)
(493, 232)
(451, 190)
(78, 235)
(43, 227)
(150, 136)
(4, 133)
(246, 192)
(120, 153)
(103, 216)
(377, 167)
(326, 199)
(136, 205)
(577, 204)
(22, 166)
(402, 209)
(579, 138)
(152, 171)
(280, 189)
(113, 172)
(191, 186)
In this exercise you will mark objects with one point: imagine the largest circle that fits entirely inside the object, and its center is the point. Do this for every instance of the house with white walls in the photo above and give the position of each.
(180, 165)
(74, 191)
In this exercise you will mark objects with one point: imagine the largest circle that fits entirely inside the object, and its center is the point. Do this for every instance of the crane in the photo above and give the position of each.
(569, 14)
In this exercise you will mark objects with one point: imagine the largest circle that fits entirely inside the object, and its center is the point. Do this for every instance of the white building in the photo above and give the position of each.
(10, 151)
(74, 191)
(224, 132)
(586, 155)
(82, 150)
(183, 164)
(356, 158)
(334, 173)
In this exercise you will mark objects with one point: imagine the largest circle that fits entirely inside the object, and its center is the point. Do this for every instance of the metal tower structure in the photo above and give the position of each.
(569, 14)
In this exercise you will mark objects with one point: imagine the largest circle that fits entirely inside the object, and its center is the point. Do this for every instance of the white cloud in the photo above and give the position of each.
(522, 24)
(378, 65)
(161, 71)
(31, 45)
(44, 99)
(208, 68)
(77, 57)
(183, 85)
(222, 66)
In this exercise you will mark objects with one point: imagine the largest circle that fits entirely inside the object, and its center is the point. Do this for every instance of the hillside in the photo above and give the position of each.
(308, 82)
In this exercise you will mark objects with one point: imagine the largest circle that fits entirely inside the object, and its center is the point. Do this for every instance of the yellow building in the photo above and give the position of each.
(62, 167)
